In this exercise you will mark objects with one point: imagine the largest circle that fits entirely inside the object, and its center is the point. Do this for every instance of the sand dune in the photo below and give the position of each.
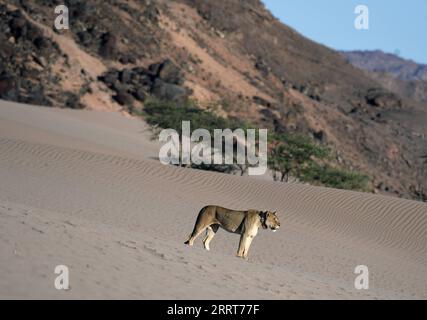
(84, 189)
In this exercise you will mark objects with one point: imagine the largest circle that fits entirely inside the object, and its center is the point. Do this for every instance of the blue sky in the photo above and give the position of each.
(395, 26)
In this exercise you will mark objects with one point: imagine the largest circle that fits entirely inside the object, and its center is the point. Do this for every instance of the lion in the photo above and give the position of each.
(245, 223)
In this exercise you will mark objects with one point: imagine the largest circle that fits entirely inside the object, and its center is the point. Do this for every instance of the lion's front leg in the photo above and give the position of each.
(247, 244)
(241, 249)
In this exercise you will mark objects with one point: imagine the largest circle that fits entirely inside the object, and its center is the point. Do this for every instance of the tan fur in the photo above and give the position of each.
(245, 223)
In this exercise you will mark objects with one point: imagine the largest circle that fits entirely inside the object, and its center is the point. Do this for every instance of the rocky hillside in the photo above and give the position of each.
(381, 62)
(405, 77)
(230, 53)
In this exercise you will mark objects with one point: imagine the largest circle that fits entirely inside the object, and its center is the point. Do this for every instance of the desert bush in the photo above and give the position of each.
(335, 178)
(161, 114)
(169, 114)
(300, 157)
(290, 154)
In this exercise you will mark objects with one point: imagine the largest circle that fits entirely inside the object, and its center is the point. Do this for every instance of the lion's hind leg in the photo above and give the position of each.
(202, 223)
(210, 233)
(197, 231)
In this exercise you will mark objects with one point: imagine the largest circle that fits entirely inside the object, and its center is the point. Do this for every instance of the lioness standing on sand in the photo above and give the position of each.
(245, 223)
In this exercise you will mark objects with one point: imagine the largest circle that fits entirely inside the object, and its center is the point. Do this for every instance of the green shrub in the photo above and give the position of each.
(169, 115)
(293, 155)
(301, 157)
(290, 154)
(335, 178)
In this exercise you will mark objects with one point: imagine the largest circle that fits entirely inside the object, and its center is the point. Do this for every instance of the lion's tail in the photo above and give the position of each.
(188, 241)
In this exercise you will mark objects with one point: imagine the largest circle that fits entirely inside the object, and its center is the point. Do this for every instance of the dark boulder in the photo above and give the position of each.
(119, 86)
(170, 73)
(320, 135)
(108, 47)
(84, 38)
(18, 27)
(145, 81)
(125, 76)
(163, 80)
(153, 69)
(167, 71)
(41, 43)
(140, 94)
(378, 97)
(124, 98)
(7, 88)
(169, 91)
(72, 101)
(127, 59)
(110, 77)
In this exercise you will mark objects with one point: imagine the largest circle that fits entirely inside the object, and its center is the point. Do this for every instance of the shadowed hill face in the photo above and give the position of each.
(231, 53)
(378, 61)
(405, 77)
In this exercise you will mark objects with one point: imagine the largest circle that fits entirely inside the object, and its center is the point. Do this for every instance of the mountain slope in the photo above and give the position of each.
(405, 77)
(381, 62)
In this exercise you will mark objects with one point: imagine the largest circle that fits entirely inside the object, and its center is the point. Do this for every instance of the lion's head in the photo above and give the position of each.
(270, 220)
